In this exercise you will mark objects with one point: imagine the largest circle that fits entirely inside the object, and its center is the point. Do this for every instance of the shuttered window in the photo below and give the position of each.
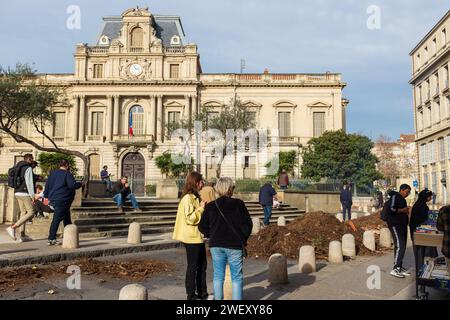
(174, 71)
(319, 123)
(284, 124)
(137, 114)
(441, 150)
(174, 116)
(59, 125)
(97, 124)
(98, 71)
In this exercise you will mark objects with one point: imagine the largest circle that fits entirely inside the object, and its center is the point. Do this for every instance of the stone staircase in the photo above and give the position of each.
(99, 217)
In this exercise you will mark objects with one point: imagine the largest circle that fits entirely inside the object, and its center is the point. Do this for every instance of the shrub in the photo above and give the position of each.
(50, 161)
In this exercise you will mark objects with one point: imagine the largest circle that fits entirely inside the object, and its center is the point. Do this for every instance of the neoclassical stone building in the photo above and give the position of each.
(142, 73)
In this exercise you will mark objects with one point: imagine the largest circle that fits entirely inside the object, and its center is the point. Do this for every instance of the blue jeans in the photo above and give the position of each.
(234, 258)
(267, 214)
(118, 199)
(108, 183)
(62, 213)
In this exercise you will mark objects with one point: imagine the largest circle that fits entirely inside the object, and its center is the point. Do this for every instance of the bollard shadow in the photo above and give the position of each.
(17, 251)
(276, 291)
(88, 245)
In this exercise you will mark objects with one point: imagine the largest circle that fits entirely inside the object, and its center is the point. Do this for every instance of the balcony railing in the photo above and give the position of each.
(175, 49)
(136, 50)
(98, 49)
(273, 78)
(96, 138)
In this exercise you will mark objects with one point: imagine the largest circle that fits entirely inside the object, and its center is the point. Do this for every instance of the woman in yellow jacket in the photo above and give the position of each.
(190, 211)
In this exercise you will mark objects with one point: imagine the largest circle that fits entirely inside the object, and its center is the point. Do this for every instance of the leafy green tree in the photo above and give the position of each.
(341, 156)
(22, 96)
(232, 116)
(288, 160)
(170, 169)
(50, 161)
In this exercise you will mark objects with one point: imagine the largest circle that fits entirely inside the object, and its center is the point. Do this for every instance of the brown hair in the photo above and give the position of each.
(190, 186)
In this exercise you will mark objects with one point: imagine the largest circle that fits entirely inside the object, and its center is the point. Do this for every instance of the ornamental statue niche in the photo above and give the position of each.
(137, 69)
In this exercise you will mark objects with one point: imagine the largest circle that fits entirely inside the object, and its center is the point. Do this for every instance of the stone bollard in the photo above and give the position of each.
(340, 217)
(374, 210)
(348, 245)
(369, 240)
(367, 214)
(227, 287)
(307, 260)
(360, 208)
(278, 269)
(256, 225)
(134, 233)
(385, 238)
(366, 209)
(281, 222)
(133, 292)
(354, 216)
(70, 237)
(335, 252)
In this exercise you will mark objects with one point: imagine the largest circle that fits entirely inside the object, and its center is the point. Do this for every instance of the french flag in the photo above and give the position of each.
(130, 125)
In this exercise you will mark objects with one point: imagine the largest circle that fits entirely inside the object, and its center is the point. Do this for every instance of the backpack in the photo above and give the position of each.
(386, 210)
(15, 179)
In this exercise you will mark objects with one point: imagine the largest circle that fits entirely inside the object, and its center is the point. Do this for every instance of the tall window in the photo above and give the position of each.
(319, 124)
(436, 78)
(174, 71)
(426, 54)
(98, 71)
(434, 46)
(444, 37)
(284, 124)
(136, 121)
(434, 181)
(418, 60)
(137, 38)
(95, 166)
(59, 124)
(22, 127)
(441, 150)
(448, 106)
(446, 77)
(97, 124)
(173, 118)
(425, 180)
(249, 167)
(428, 90)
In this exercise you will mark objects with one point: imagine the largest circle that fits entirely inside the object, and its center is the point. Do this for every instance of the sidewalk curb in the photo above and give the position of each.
(74, 254)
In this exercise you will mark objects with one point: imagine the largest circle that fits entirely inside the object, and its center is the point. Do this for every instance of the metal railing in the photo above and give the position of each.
(175, 49)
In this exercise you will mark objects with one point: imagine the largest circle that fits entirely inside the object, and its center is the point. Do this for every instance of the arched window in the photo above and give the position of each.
(136, 121)
(137, 38)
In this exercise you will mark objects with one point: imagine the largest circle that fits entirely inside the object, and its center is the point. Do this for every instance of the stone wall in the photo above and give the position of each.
(313, 201)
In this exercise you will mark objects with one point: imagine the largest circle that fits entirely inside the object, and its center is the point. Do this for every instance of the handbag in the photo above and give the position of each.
(244, 249)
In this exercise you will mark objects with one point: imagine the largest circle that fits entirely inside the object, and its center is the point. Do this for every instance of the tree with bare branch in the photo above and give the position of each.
(23, 97)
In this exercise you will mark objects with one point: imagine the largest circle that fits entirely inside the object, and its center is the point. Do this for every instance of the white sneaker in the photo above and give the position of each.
(11, 232)
(397, 273)
(405, 272)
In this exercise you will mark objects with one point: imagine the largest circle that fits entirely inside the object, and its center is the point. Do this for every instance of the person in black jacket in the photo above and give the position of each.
(398, 225)
(266, 196)
(60, 190)
(419, 215)
(346, 201)
(122, 193)
(227, 224)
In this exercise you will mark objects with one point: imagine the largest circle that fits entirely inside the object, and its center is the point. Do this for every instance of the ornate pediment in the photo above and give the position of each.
(319, 104)
(137, 12)
(251, 104)
(173, 104)
(284, 104)
(213, 104)
(95, 104)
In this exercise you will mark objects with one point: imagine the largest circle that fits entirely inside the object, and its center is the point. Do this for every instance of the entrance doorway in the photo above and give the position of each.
(133, 166)
(95, 167)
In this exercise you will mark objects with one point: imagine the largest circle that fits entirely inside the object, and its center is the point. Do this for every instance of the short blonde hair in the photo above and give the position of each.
(225, 187)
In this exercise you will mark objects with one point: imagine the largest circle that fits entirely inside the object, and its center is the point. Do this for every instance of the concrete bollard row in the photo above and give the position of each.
(307, 260)
(256, 225)
(354, 216)
(281, 221)
(335, 252)
(369, 240)
(385, 238)
(340, 217)
(134, 233)
(278, 269)
(348, 246)
(70, 237)
(133, 292)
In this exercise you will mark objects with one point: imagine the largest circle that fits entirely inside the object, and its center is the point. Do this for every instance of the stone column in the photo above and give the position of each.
(82, 118)
(151, 129)
(75, 118)
(109, 118)
(116, 115)
(195, 106)
(187, 107)
(160, 120)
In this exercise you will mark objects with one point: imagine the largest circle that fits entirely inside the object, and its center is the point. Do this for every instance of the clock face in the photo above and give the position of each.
(136, 69)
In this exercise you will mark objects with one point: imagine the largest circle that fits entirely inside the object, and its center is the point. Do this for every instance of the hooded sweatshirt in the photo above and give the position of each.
(419, 212)
(397, 202)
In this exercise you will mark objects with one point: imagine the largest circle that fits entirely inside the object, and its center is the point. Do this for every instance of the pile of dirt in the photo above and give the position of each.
(317, 229)
(135, 270)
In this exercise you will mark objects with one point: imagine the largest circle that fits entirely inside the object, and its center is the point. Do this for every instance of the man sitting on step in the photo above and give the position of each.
(123, 193)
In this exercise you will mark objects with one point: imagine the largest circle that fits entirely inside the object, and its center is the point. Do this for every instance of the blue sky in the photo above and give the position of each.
(283, 36)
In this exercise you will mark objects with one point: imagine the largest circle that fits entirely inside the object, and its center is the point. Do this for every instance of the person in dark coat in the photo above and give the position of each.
(266, 197)
(419, 215)
(346, 201)
(122, 193)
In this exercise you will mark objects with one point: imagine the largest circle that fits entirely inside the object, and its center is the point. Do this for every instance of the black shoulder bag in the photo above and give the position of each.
(244, 249)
